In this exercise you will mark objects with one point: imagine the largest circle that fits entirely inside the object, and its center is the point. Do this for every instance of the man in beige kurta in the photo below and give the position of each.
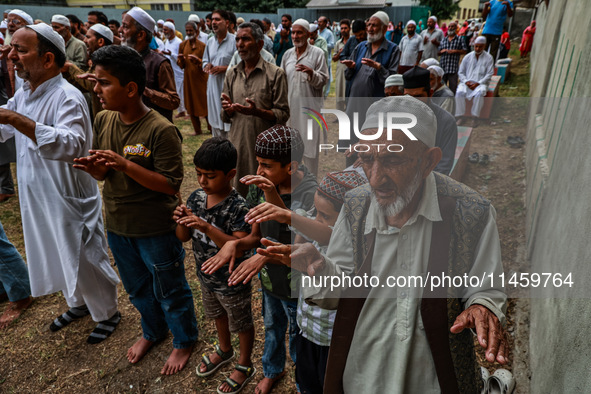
(254, 99)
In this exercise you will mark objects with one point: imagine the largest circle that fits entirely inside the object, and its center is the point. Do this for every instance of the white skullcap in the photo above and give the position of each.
(143, 18)
(313, 27)
(426, 127)
(431, 62)
(438, 70)
(60, 19)
(170, 25)
(53, 36)
(302, 22)
(411, 22)
(480, 40)
(194, 18)
(160, 22)
(434, 18)
(23, 15)
(382, 16)
(3, 25)
(103, 31)
(394, 80)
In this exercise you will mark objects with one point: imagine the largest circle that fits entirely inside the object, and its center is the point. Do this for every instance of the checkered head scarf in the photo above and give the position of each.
(335, 185)
(280, 142)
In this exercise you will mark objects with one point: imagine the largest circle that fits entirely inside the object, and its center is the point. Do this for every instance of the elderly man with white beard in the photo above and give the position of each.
(408, 222)
(371, 63)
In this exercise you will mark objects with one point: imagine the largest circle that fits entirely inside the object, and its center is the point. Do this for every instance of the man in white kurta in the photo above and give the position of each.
(218, 53)
(60, 206)
(307, 72)
(171, 51)
(475, 73)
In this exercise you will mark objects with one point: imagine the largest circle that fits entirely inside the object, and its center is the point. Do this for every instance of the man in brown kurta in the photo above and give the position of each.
(190, 59)
(254, 99)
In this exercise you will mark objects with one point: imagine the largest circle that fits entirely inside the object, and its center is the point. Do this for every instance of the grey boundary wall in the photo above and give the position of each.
(558, 197)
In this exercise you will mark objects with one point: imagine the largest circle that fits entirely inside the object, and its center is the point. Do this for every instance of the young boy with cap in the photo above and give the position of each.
(283, 182)
(315, 323)
(137, 152)
(213, 216)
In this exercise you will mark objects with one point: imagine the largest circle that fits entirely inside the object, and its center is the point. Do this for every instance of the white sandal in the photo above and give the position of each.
(501, 382)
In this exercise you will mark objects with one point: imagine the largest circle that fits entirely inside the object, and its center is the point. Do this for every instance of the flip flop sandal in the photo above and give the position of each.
(237, 387)
(501, 382)
(483, 160)
(513, 141)
(210, 367)
(474, 158)
(484, 375)
(519, 140)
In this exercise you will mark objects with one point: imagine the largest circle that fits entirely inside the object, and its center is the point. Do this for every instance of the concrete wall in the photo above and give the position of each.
(558, 195)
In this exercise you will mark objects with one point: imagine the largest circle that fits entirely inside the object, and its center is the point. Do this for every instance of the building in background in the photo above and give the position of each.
(154, 5)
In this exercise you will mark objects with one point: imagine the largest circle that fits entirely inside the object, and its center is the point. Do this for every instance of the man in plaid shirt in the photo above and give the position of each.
(450, 50)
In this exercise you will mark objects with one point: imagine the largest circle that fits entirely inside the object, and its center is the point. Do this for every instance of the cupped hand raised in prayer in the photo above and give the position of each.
(348, 63)
(111, 159)
(304, 69)
(267, 211)
(371, 63)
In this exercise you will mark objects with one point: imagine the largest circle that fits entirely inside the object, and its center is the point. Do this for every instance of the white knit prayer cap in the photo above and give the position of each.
(302, 22)
(313, 27)
(170, 25)
(394, 80)
(23, 15)
(434, 18)
(143, 18)
(160, 22)
(438, 70)
(382, 16)
(480, 40)
(425, 129)
(60, 19)
(103, 31)
(194, 18)
(431, 62)
(53, 36)
(411, 22)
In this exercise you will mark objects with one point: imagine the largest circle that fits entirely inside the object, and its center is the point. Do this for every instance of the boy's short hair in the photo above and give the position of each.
(122, 62)
(216, 153)
(115, 22)
(336, 184)
(280, 143)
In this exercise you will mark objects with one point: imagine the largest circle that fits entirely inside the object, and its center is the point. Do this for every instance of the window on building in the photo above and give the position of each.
(157, 7)
(464, 17)
(175, 7)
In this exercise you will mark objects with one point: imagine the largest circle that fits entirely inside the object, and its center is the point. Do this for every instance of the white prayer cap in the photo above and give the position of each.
(23, 15)
(394, 80)
(430, 62)
(143, 18)
(53, 36)
(426, 127)
(170, 25)
(60, 19)
(103, 31)
(480, 40)
(382, 16)
(3, 25)
(411, 22)
(194, 18)
(313, 27)
(160, 22)
(434, 18)
(302, 22)
(438, 70)
(7, 12)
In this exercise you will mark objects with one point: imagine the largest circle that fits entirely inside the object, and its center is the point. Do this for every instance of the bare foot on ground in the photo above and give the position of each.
(14, 311)
(266, 384)
(176, 361)
(139, 350)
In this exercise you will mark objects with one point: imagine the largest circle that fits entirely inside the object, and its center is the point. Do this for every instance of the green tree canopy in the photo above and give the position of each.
(442, 9)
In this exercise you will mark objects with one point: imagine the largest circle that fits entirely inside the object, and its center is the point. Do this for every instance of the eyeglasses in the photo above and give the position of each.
(14, 21)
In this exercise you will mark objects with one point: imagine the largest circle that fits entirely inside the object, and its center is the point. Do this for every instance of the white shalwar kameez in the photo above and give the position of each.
(474, 69)
(179, 74)
(305, 92)
(61, 206)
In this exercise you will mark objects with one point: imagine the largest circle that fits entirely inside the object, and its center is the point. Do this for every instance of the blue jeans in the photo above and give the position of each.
(153, 274)
(14, 277)
(277, 314)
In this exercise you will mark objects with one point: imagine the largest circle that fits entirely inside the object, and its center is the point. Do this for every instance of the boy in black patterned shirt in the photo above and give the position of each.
(212, 216)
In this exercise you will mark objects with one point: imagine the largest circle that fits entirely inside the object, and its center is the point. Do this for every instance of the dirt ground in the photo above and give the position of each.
(37, 360)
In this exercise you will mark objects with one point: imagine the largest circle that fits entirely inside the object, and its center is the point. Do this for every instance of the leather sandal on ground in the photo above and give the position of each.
(235, 386)
(210, 367)
(483, 160)
(474, 157)
(501, 382)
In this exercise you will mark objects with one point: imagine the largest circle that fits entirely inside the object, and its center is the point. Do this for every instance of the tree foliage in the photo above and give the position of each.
(442, 9)
(254, 6)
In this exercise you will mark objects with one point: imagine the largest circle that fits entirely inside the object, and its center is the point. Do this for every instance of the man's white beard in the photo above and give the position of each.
(402, 200)
(299, 44)
(191, 37)
(375, 37)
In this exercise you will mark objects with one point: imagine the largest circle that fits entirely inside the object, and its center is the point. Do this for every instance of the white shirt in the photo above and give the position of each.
(217, 54)
(173, 47)
(409, 49)
(60, 206)
(305, 91)
(475, 69)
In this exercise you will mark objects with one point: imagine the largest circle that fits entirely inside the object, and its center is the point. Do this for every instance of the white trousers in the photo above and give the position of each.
(464, 93)
(180, 90)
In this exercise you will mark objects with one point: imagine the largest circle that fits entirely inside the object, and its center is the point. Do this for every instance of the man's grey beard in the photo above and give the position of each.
(394, 208)
(299, 44)
(191, 37)
(375, 37)
(132, 42)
